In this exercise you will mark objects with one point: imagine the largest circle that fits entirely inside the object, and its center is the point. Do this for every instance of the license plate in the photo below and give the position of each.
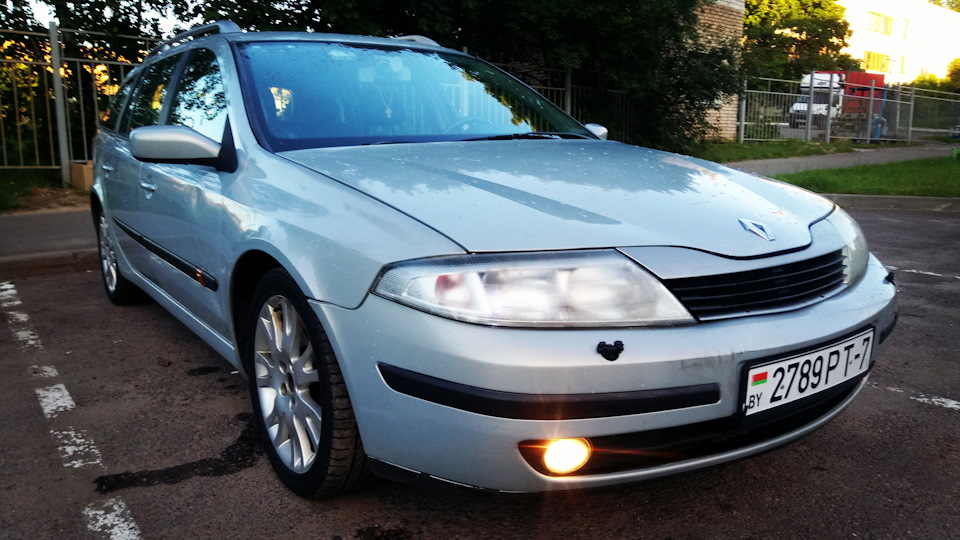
(781, 382)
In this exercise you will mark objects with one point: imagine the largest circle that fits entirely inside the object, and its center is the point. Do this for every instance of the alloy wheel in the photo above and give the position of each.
(108, 256)
(285, 374)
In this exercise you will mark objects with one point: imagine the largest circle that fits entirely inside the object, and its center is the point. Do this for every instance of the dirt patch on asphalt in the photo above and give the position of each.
(49, 198)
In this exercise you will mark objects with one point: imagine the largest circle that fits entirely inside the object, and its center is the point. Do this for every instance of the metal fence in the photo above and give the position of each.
(48, 121)
(774, 109)
(48, 117)
(611, 108)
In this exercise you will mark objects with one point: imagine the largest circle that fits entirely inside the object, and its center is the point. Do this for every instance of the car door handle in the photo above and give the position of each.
(148, 189)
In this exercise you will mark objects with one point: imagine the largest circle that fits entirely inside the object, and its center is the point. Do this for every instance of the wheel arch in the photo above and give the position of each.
(95, 207)
(248, 271)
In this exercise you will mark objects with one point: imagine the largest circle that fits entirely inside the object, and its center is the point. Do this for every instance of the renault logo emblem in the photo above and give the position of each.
(758, 229)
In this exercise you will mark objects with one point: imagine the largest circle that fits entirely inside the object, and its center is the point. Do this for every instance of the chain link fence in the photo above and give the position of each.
(775, 109)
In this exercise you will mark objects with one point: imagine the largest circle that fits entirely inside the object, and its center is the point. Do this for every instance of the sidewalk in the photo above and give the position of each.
(51, 242)
(47, 242)
(768, 167)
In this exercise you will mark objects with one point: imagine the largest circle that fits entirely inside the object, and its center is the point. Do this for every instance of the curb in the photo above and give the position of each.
(44, 264)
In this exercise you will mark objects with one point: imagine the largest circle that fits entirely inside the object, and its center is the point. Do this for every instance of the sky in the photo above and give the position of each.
(44, 14)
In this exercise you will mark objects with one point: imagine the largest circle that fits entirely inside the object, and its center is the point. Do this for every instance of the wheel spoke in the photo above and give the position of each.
(304, 372)
(273, 316)
(271, 416)
(292, 331)
(281, 440)
(264, 369)
(296, 446)
(311, 414)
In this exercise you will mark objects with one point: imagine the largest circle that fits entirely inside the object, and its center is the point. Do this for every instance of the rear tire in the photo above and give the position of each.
(300, 402)
(119, 290)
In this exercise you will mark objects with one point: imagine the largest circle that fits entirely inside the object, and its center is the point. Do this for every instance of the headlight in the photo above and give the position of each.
(573, 289)
(855, 251)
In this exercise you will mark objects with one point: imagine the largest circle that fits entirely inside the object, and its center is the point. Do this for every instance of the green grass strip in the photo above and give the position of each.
(726, 152)
(933, 177)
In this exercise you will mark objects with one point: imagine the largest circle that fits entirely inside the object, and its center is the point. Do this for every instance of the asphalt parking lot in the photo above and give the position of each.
(119, 423)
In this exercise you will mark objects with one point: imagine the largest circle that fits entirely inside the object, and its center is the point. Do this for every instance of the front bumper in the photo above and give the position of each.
(665, 379)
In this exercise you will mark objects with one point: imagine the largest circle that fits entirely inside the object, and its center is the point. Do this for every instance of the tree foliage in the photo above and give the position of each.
(949, 4)
(18, 46)
(653, 51)
(786, 38)
(949, 84)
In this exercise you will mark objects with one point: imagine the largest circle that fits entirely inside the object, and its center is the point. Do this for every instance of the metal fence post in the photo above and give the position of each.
(870, 112)
(896, 119)
(568, 91)
(741, 129)
(830, 108)
(913, 101)
(810, 108)
(59, 105)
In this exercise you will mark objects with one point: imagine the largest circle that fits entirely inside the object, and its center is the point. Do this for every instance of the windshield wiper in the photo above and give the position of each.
(383, 142)
(530, 135)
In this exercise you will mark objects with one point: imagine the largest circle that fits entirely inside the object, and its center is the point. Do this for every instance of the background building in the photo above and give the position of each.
(723, 21)
(902, 39)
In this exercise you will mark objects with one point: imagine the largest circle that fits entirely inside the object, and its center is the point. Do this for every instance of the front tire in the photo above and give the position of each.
(301, 406)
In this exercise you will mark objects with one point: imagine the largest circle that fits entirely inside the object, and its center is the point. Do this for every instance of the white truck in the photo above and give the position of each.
(827, 99)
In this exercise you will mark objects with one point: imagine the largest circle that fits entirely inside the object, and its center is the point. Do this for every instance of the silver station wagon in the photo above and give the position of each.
(425, 270)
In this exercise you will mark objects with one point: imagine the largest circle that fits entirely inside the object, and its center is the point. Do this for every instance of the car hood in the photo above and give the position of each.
(528, 195)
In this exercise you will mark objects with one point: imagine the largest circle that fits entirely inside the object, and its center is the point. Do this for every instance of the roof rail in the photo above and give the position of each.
(423, 40)
(218, 27)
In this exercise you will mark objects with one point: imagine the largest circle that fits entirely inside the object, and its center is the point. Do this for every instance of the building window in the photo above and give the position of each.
(879, 23)
(877, 62)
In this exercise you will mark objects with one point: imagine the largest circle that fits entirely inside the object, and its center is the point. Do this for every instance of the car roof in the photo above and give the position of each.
(229, 31)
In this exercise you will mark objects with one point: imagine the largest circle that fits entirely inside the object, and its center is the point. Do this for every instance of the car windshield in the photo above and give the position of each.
(315, 94)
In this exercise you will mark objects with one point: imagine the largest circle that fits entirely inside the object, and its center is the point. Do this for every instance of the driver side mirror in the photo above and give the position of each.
(598, 130)
(173, 144)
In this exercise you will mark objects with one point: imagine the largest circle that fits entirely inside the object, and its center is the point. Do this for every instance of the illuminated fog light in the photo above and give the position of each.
(565, 456)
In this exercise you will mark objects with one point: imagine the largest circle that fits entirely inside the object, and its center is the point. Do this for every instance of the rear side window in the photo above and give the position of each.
(110, 116)
(200, 102)
(146, 104)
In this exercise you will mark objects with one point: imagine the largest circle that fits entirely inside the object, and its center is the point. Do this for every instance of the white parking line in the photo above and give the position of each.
(106, 519)
(112, 519)
(19, 321)
(938, 401)
(45, 372)
(76, 448)
(8, 295)
(922, 273)
(929, 400)
(54, 400)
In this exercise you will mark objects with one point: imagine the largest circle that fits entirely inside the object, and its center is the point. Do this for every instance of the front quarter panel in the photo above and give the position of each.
(332, 239)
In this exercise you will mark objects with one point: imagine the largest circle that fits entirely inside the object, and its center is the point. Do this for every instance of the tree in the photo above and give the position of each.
(953, 72)
(651, 50)
(786, 38)
(949, 4)
(949, 84)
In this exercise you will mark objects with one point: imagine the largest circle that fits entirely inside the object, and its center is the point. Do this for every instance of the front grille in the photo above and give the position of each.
(778, 288)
